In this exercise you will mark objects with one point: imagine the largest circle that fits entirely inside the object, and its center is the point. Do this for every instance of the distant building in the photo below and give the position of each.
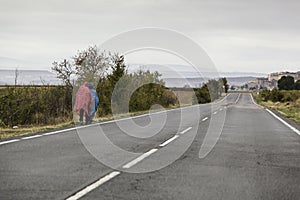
(252, 85)
(271, 81)
(264, 83)
(277, 75)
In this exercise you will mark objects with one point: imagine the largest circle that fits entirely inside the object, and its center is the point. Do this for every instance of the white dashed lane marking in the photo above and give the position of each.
(186, 130)
(169, 140)
(206, 118)
(94, 185)
(139, 159)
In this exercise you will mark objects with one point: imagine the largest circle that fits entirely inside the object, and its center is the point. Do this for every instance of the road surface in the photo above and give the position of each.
(256, 157)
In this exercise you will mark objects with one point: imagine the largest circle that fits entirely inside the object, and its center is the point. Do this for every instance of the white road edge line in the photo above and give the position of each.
(139, 159)
(94, 185)
(51, 133)
(206, 118)
(222, 99)
(186, 130)
(255, 102)
(238, 98)
(60, 131)
(31, 137)
(284, 122)
(169, 140)
(9, 141)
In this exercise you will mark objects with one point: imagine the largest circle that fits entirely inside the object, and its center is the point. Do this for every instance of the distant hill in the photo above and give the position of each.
(171, 78)
(175, 71)
(29, 77)
(198, 82)
(239, 81)
(184, 75)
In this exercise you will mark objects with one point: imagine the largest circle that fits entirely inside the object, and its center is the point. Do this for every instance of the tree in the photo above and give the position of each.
(297, 85)
(286, 83)
(91, 64)
(118, 69)
(214, 89)
(87, 65)
(106, 84)
(225, 84)
(64, 70)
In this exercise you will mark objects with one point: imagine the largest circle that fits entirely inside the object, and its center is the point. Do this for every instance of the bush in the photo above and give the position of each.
(280, 95)
(276, 95)
(116, 88)
(264, 94)
(202, 95)
(147, 95)
(35, 105)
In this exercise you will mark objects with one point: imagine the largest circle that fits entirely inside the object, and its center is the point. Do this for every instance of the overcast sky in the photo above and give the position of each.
(244, 36)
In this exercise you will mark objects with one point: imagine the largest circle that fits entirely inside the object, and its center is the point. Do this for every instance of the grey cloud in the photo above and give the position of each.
(53, 28)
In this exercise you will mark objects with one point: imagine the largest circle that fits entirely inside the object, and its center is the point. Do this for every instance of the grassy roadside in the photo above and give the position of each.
(27, 130)
(290, 109)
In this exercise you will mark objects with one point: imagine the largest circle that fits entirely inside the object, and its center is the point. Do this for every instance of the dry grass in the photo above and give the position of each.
(288, 109)
(185, 97)
(26, 130)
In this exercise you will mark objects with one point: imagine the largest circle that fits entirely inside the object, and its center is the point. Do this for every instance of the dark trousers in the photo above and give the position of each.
(81, 116)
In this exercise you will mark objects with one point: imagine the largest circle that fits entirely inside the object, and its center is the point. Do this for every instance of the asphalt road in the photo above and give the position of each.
(255, 156)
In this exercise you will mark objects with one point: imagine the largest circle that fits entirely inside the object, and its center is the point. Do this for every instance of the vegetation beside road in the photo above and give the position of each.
(286, 102)
(35, 105)
(25, 109)
(8, 132)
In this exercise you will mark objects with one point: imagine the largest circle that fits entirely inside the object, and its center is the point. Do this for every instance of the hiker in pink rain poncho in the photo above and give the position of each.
(83, 103)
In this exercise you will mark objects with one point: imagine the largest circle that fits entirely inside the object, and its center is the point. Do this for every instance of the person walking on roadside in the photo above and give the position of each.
(95, 97)
(83, 103)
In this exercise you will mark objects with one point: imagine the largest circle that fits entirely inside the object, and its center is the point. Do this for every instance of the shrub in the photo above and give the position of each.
(264, 94)
(37, 105)
(276, 95)
(280, 95)
(202, 95)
